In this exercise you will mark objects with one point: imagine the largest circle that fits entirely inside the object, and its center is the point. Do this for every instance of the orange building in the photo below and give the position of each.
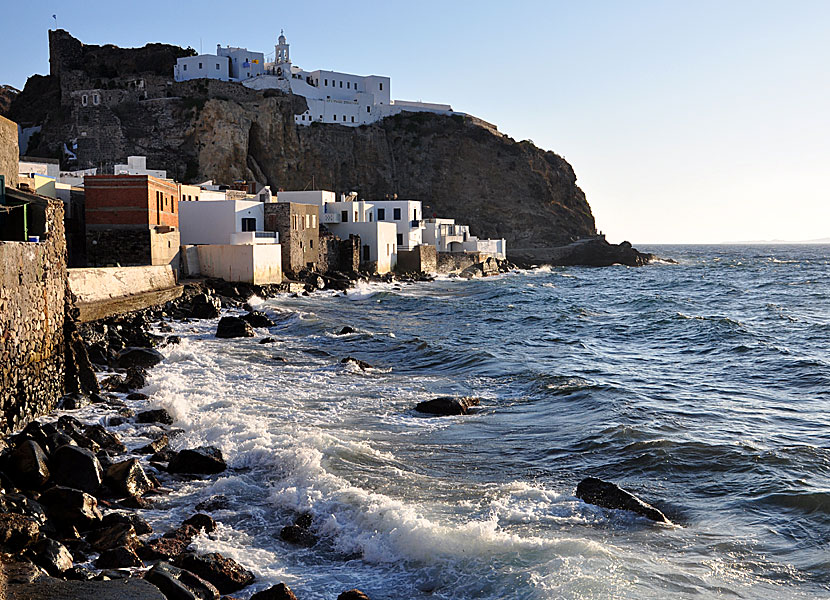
(131, 220)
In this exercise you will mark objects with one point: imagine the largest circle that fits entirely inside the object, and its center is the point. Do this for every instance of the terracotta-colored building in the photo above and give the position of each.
(131, 220)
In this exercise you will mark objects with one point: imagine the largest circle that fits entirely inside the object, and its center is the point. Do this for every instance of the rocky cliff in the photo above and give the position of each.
(203, 129)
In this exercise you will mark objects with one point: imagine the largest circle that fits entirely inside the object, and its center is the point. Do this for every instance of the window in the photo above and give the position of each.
(370, 217)
(96, 99)
(344, 216)
(397, 213)
(344, 118)
(248, 224)
(326, 82)
(348, 85)
(381, 214)
(184, 67)
(217, 66)
(321, 117)
(334, 117)
(366, 254)
(311, 244)
(368, 109)
(84, 100)
(400, 239)
(381, 86)
(314, 220)
(352, 119)
(307, 221)
(200, 66)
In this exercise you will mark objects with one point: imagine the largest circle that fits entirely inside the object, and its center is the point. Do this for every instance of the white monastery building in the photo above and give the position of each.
(332, 97)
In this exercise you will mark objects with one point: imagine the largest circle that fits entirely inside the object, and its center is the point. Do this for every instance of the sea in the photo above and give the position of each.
(703, 387)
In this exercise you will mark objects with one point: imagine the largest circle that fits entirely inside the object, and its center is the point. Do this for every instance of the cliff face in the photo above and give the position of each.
(202, 129)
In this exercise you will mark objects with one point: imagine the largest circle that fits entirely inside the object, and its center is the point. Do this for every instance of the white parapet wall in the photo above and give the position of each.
(259, 264)
(99, 284)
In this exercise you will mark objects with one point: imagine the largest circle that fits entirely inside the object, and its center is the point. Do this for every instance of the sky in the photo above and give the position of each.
(686, 122)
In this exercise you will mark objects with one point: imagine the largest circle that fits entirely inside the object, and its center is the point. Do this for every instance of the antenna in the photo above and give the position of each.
(56, 20)
(200, 46)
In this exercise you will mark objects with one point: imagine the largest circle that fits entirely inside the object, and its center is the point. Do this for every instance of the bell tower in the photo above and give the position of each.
(281, 56)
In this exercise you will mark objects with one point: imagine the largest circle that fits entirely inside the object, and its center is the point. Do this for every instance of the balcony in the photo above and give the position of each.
(416, 223)
(247, 238)
(330, 218)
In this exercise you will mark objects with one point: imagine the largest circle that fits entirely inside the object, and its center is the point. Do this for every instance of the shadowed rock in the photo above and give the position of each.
(157, 445)
(17, 532)
(52, 556)
(226, 574)
(346, 330)
(205, 307)
(257, 318)
(356, 361)
(447, 406)
(233, 327)
(354, 594)
(609, 495)
(78, 468)
(206, 460)
(27, 465)
(277, 592)
(178, 584)
(71, 506)
(128, 478)
(158, 415)
(113, 536)
(118, 558)
(138, 357)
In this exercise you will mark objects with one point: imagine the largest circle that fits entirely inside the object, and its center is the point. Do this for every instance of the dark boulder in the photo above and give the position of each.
(233, 327)
(164, 548)
(137, 396)
(128, 478)
(214, 503)
(179, 584)
(158, 415)
(172, 340)
(206, 460)
(157, 445)
(346, 330)
(118, 558)
(354, 594)
(267, 340)
(139, 524)
(113, 536)
(22, 505)
(103, 438)
(276, 592)
(447, 406)
(257, 318)
(71, 506)
(356, 361)
(17, 532)
(299, 536)
(204, 306)
(609, 495)
(27, 465)
(226, 574)
(78, 468)
(145, 358)
(135, 379)
(201, 522)
(74, 401)
(52, 556)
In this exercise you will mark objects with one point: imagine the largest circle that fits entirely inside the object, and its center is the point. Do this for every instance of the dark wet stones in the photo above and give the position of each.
(157, 445)
(71, 507)
(128, 478)
(267, 340)
(17, 532)
(139, 524)
(609, 495)
(233, 327)
(103, 438)
(201, 522)
(118, 558)
(447, 406)
(356, 361)
(346, 330)
(165, 548)
(204, 306)
(299, 533)
(137, 396)
(27, 465)
(52, 556)
(214, 503)
(158, 415)
(78, 468)
(74, 401)
(135, 379)
(276, 592)
(206, 460)
(257, 318)
(226, 574)
(354, 594)
(113, 536)
(179, 584)
(145, 358)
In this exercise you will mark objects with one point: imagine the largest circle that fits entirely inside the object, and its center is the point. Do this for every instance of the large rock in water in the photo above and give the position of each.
(78, 468)
(609, 495)
(590, 252)
(233, 327)
(206, 460)
(128, 478)
(145, 358)
(27, 465)
(71, 506)
(447, 406)
(178, 584)
(205, 307)
(226, 574)
(257, 318)
(276, 592)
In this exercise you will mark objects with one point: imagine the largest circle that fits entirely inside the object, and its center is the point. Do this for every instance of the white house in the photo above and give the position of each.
(204, 66)
(447, 236)
(228, 222)
(137, 165)
(243, 63)
(407, 217)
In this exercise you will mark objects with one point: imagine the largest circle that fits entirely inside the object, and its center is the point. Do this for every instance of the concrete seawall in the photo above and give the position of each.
(103, 292)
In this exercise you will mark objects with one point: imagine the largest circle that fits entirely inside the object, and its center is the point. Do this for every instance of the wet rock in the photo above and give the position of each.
(113, 383)
(360, 363)
(139, 524)
(277, 592)
(74, 401)
(118, 558)
(206, 460)
(52, 556)
(58, 439)
(233, 327)
(157, 445)
(267, 340)
(299, 536)
(165, 548)
(78, 574)
(116, 421)
(179, 584)
(354, 594)
(201, 521)
(303, 520)
(27, 465)
(78, 468)
(183, 532)
(226, 574)
(17, 532)
(214, 503)
(105, 439)
(346, 330)
(113, 536)
(71, 506)
(163, 456)
(609, 495)
(49, 588)
(128, 478)
(158, 415)
(257, 318)
(12, 502)
(145, 358)
(204, 306)
(172, 340)
(137, 396)
(447, 406)
(136, 378)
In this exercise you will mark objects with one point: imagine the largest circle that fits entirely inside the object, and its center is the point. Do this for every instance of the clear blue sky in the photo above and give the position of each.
(696, 121)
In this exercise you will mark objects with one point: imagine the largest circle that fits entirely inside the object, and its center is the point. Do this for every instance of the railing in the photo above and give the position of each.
(247, 238)
(330, 218)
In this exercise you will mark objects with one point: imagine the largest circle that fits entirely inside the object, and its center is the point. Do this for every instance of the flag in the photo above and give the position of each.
(256, 61)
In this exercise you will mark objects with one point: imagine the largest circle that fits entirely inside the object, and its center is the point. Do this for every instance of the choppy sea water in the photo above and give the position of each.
(701, 386)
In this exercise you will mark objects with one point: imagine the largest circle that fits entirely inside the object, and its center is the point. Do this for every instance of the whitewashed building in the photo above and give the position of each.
(137, 165)
(229, 222)
(203, 66)
(407, 217)
(447, 236)
(243, 63)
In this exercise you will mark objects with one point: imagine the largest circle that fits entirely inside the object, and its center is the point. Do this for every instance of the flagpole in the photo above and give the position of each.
(56, 20)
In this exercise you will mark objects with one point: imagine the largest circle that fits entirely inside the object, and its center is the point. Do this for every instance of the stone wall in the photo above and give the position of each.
(339, 255)
(8, 151)
(453, 262)
(32, 307)
(132, 246)
(300, 244)
(421, 259)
